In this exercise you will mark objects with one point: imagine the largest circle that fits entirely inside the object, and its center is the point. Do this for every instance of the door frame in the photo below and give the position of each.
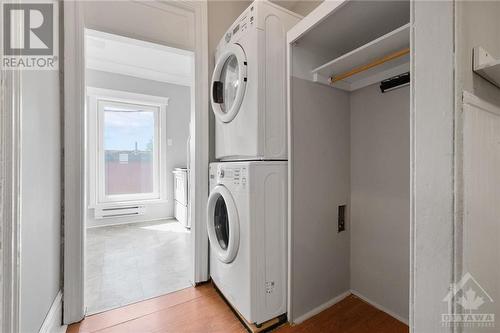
(74, 156)
(10, 199)
(10, 194)
(435, 193)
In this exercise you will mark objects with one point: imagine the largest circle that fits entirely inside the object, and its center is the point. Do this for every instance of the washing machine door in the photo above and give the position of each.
(228, 83)
(222, 224)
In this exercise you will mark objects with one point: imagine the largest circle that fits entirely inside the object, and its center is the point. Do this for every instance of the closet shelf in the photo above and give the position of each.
(486, 66)
(373, 62)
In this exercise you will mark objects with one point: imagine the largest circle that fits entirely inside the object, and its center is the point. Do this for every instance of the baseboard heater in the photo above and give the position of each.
(118, 211)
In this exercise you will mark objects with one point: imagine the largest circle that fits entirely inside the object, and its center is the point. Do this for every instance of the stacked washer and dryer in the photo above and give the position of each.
(247, 205)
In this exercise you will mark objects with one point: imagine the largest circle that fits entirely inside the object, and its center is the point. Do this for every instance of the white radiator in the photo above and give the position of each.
(118, 211)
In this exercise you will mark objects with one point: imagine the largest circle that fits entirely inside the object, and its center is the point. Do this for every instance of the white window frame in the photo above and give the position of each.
(97, 98)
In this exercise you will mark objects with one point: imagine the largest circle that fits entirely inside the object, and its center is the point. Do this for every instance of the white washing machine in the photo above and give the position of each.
(247, 230)
(248, 89)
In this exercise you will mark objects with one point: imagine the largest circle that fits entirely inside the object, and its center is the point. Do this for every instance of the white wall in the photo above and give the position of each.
(477, 25)
(380, 197)
(40, 197)
(481, 229)
(479, 235)
(320, 183)
(178, 117)
(432, 163)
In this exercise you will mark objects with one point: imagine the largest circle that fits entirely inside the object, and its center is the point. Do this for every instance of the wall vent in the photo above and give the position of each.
(118, 211)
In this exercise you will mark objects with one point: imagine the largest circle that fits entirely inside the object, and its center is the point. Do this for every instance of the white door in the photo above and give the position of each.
(228, 83)
(222, 224)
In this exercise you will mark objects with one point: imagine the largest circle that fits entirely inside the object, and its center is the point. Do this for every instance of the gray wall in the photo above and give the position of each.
(380, 197)
(320, 182)
(40, 196)
(178, 115)
(140, 20)
(300, 7)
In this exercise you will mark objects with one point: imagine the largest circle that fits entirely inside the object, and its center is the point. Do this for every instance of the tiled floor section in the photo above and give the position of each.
(202, 310)
(134, 262)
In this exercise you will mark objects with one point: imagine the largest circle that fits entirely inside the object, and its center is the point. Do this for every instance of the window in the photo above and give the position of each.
(125, 141)
(128, 151)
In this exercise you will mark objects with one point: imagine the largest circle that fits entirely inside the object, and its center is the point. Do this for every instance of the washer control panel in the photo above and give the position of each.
(235, 175)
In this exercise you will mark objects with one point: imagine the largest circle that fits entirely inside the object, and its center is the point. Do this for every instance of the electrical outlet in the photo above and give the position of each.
(341, 218)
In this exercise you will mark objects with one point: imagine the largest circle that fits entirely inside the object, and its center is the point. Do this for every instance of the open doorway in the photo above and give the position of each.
(179, 25)
(138, 106)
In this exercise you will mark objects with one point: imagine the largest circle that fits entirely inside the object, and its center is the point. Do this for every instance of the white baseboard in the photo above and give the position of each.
(53, 320)
(380, 307)
(321, 308)
(91, 223)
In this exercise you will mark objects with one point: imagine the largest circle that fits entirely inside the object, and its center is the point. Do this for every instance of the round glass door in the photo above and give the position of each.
(229, 83)
(223, 224)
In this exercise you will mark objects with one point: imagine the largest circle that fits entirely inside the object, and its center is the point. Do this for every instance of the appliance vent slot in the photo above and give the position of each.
(341, 218)
(118, 211)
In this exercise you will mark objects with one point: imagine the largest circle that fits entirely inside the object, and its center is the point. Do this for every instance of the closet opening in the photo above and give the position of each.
(349, 122)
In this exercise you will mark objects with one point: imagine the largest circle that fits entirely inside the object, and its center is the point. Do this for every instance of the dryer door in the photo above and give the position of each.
(222, 224)
(228, 83)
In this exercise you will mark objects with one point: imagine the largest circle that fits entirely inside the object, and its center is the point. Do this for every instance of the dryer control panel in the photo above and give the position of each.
(244, 22)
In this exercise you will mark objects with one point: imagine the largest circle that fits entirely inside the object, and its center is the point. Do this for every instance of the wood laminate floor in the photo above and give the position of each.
(202, 310)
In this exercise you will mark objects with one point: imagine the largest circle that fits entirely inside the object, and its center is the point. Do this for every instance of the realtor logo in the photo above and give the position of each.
(30, 33)
(470, 300)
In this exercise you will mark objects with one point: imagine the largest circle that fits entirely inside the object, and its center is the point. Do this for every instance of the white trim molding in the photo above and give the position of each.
(10, 197)
(199, 143)
(53, 320)
(74, 163)
(321, 308)
(380, 307)
(473, 100)
(132, 57)
(97, 100)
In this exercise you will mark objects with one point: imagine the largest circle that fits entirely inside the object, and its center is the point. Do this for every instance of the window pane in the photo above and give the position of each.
(128, 151)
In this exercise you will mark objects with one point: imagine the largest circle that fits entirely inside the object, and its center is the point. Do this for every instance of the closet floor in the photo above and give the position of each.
(351, 315)
(201, 309)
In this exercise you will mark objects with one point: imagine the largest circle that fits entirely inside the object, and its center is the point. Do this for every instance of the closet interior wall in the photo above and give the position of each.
(380, 197)
(348, 148)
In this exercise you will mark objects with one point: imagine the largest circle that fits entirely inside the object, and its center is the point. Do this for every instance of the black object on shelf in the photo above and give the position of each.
(395, 82)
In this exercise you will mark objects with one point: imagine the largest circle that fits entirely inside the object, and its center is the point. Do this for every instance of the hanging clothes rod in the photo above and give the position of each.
(380, 61)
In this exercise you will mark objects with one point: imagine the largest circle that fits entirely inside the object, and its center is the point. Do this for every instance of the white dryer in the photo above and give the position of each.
(247, 230)
(248, 89)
